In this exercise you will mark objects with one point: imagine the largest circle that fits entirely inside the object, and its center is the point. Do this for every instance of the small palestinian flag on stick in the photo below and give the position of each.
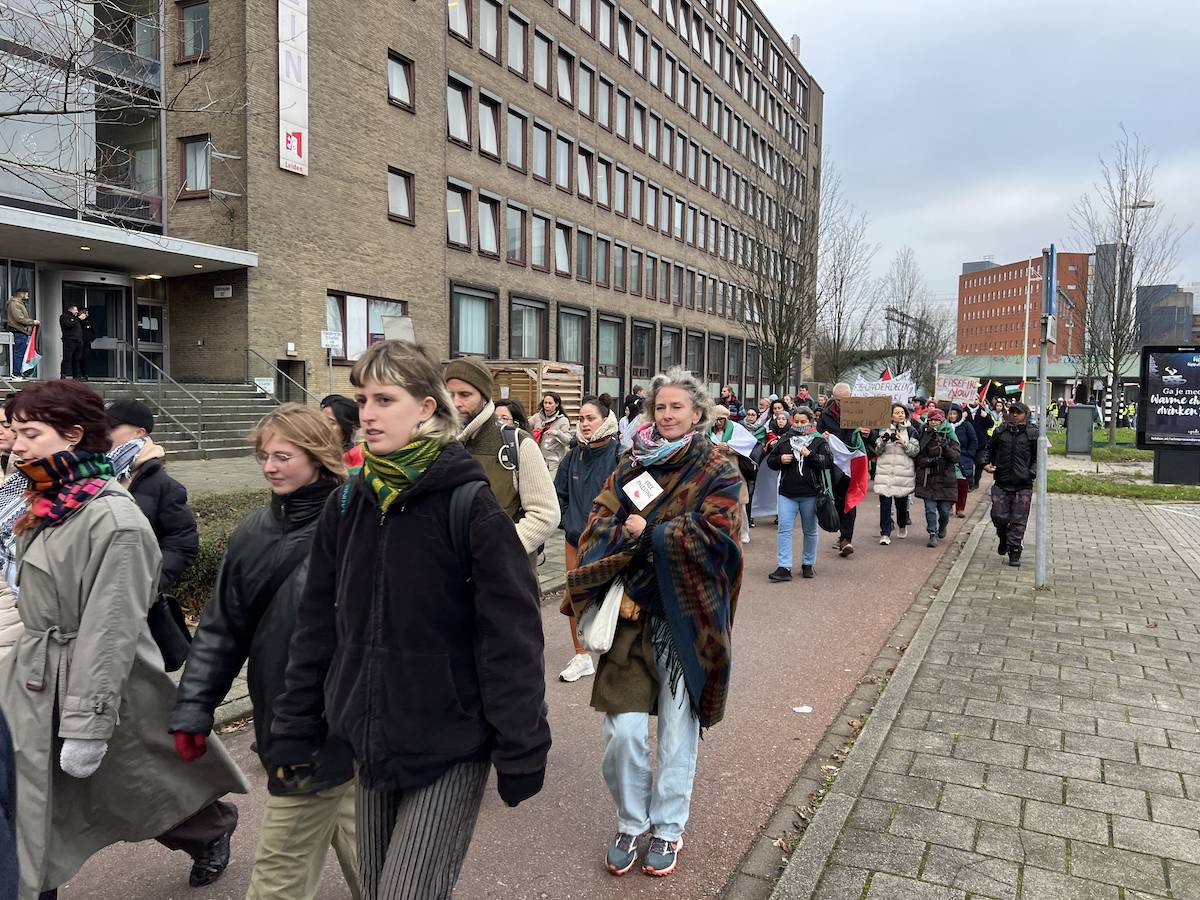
(1014, 388)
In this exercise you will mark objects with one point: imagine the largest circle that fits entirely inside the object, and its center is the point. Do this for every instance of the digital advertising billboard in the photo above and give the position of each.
(1169, 414)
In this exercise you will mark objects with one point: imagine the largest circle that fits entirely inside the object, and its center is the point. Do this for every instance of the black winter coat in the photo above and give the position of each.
(981, 420)
(968, 445)
(231, 631)
(580, 478)
(164, 501)
(1013, 451)
(936, 478)
(795, 481)
(416, 663)
(9, 876)
(71, 327)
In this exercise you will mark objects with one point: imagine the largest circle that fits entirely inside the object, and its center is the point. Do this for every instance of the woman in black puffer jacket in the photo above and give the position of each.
(580, 478)
(251, 615)
(801, 457)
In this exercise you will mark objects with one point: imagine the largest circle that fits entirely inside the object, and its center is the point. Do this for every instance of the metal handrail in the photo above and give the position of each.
(278, 371)
(198, 435)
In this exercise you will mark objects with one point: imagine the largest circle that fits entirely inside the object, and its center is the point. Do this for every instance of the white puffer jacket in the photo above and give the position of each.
(11, 626)
(895, 472)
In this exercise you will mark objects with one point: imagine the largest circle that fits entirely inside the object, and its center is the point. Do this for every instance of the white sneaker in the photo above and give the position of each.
(580, 666)
(746, 539)
(902, 533)
(884, 540)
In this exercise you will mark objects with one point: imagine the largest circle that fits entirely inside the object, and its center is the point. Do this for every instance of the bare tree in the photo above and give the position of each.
(846, 292)
(773, 266)
(82, 100)
(1121, 212)
(916, 335)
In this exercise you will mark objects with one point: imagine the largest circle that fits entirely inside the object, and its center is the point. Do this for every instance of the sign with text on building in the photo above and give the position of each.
(294, 146)
(331, 340)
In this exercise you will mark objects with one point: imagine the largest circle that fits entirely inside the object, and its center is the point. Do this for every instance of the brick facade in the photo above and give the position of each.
(330, 231)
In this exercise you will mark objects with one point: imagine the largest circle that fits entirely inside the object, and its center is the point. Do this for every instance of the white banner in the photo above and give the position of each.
(956, 388)
(293, 86)
(899, 388)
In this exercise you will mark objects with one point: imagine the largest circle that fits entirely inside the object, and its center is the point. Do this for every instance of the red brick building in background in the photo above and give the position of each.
(992, 307)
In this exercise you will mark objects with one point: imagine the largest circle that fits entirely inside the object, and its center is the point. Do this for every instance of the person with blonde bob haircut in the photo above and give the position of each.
(251, 615)
(665, 524)
(419, 638)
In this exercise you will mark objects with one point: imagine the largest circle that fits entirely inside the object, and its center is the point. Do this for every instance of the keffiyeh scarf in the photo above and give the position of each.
(390, 475)
(61, 484)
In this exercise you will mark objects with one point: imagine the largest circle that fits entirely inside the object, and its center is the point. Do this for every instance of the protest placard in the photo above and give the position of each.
(956, 388)
(899, 388)
(866, 412)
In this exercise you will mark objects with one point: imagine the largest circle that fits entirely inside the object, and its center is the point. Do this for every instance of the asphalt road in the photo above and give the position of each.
(806, 643)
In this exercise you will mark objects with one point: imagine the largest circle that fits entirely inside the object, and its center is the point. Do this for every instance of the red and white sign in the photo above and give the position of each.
(293, 86)
(956, 389)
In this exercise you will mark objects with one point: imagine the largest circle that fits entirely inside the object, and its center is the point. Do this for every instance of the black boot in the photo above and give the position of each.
(1014, 557)
(211, 862)
(781, 574)
(1002, 547)
(807, 572)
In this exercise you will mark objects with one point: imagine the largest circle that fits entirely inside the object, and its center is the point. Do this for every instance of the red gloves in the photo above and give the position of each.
(190, 747)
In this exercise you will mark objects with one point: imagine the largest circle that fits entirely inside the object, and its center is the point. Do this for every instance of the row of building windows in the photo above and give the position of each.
(558, 246)
(652, 346)
(555, 74)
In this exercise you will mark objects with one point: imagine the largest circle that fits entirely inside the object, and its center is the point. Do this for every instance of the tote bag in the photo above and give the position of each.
(827, 511)
(598, 624)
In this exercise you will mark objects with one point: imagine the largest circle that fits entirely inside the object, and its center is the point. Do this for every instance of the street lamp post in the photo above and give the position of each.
(1025, 345)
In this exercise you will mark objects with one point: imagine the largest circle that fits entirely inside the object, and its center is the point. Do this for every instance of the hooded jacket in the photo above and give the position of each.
(164, 502)
(1013, 451)
(415, 663)
(239, 624)
(797, 479)
(581, 476)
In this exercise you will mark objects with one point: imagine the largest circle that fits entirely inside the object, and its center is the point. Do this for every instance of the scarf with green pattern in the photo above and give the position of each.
(390, 475)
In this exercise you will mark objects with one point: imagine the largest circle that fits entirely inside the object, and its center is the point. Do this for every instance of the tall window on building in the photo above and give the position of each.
(472, 322)
(458, 228)
(489, 135)
(610, 355)
(694, 349)
(572, 332)
(193, 31)
(620, 191)
(400, 80)
(400, 196)
(635, 271)
(514, 235)
(641, 353)
(586, 87)
(540, 243)
(490, 12)
(527, 328)
(603, 174)
(489, 226)
(604, 91)
(516, 44)
(194, 165)
(458, 101)
(562, 249)
(603, 246)
(541, 61)
(716, 365)
(583, 255)
(671, 353)
(605, 24)
(562, 163)
(620, 254)
(458, 15)
(515, 140)
(566, 82)
(583, 173)
(541, 152)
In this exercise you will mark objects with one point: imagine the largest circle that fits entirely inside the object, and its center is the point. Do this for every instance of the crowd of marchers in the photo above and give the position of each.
(387, 606)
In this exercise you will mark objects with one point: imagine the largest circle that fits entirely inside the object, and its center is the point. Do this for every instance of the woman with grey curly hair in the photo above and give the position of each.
(665, 525)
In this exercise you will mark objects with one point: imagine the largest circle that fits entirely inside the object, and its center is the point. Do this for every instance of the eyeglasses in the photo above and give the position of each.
(280, 459)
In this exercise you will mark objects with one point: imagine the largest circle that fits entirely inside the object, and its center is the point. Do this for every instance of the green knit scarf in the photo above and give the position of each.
(391, 475)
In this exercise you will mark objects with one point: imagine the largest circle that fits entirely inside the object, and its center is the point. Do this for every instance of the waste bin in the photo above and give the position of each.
(1081, 420)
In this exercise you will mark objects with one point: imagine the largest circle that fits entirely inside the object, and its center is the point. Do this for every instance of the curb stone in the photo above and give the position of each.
(803, 872)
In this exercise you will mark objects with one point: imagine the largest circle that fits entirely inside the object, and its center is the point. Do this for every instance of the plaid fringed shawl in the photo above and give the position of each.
(694, 570)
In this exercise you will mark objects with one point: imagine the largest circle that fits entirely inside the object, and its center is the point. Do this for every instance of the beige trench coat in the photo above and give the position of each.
(87, 667)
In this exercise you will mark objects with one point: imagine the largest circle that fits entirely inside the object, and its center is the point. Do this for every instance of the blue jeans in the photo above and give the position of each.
(937, 514)
(20, 343)
(658, 803)
(789, 508)
(885, 513)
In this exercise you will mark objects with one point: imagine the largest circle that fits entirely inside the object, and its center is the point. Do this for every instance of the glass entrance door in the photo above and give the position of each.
(108, 312)
(151, 339)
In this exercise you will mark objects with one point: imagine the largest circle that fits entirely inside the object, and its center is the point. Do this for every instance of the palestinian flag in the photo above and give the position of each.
(32, 357)
(853, 463)
(983, 392)
(887, 374)
(1014, 388)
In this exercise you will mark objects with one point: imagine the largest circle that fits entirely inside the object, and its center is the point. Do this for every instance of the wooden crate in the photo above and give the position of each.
(528, 380)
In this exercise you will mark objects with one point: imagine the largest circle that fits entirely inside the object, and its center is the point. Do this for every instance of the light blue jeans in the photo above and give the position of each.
(937, 514)
(789, 508)
(645, 803)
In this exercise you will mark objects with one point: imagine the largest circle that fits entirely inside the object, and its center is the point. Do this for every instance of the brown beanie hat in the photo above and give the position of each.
(473, 372)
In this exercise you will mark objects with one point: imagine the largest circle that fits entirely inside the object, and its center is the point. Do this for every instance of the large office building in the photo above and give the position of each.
(569, 180)
(1000, 307)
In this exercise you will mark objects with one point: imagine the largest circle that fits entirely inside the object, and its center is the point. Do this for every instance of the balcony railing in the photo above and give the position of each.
(127, 64)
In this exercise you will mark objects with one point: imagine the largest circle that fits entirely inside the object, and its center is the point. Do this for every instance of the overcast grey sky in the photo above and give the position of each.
(967, 129)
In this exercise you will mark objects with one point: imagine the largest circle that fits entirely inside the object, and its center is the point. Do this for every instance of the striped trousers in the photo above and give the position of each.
(411, 844)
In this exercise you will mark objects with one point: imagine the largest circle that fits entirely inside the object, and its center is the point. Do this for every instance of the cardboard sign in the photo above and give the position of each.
(866, 412)
(956, 389)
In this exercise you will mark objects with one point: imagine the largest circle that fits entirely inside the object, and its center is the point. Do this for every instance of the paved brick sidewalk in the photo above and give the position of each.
(1034, 745)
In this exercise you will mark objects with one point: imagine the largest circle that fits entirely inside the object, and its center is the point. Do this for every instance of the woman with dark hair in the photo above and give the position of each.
(580, 477)
(511, 412)
(666, 525)
(342, 413)
(551, 428)
(84, 689)
(251, 616)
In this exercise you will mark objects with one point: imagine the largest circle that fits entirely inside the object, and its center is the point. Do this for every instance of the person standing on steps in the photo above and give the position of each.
(896, 473)
(666, 524)
(87, 336)
(803, 460)
(72, 343)
(21, 324)
(511, 458)
(937, 479)
(551, 429)
(418, 638)
(251, 616)
(968, 445)
(1012, 458)
(84, 688)
(580, 478)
